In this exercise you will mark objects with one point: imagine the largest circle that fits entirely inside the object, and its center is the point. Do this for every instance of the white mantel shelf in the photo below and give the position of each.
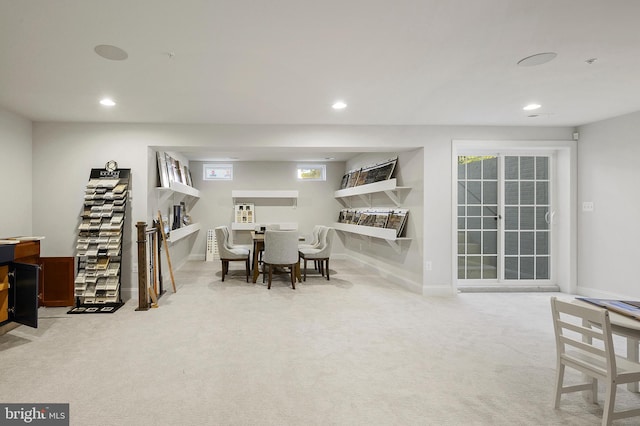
(263, 194)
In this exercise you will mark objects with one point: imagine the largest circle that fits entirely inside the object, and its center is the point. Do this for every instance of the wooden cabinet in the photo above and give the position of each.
(19, 283)
(57, 281)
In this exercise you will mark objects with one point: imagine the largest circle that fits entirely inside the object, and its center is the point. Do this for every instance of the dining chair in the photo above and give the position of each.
(272, 227)
(229, 252)
(584, 342)
(319, 253)
(315, 238)
(280, 249)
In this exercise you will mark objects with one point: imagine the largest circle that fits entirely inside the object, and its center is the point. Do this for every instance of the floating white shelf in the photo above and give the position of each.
(263, 194)
(180, 233)
(180, 188)
(289, 226)
(387, 234)
(388, 186)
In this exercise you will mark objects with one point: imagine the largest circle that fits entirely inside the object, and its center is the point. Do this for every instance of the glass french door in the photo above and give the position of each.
(503, 218)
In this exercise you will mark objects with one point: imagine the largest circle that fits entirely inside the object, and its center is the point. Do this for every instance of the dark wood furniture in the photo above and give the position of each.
(19, 283)
(57, 281)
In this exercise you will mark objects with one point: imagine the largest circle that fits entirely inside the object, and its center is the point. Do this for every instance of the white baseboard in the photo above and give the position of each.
(400, 281)
(508, 289)
(599, 294)
(439, 291)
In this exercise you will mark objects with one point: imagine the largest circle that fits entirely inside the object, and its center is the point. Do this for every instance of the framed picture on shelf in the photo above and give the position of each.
(362, 177)
(345, 181)
(170, 173)
(397, 220)
(178, 170)
(381, 172)
(187, 176)
(353, 178)
(162, 170)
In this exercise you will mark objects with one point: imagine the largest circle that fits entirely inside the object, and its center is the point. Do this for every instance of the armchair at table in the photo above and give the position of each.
(320, 253)
(229, 253)
(281, 249)
(315, 238)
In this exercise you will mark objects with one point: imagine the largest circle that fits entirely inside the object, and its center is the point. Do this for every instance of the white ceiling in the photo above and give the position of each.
(286, 61)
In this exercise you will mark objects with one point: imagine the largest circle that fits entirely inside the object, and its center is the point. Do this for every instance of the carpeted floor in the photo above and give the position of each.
(352, 351)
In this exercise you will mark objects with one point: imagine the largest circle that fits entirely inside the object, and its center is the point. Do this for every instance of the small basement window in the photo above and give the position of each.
(218, 172)
(312, 172)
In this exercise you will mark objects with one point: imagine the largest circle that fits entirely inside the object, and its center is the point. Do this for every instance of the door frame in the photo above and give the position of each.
(565, 234)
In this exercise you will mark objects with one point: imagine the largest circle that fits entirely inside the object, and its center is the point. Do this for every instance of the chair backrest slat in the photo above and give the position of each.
(587, 331)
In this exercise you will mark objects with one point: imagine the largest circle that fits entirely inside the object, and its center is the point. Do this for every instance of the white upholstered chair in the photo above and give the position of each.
(280, 249)
(320, 253)
(229, 253)
(315, 238)
(584, 343)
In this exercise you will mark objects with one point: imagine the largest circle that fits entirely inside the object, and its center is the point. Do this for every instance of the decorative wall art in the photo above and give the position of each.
(245, 213)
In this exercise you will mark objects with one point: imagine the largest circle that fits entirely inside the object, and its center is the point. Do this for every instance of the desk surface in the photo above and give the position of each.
(620, 323)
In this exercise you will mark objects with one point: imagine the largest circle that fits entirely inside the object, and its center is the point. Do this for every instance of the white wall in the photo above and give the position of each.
(315, 204)
(15, 175)
(609, 237)
(74, 148)
(401, 263)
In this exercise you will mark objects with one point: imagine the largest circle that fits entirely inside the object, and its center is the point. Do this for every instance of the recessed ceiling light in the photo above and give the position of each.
(531, 107)
(107, 102)
(113, 53)
(537, 59)
(339, 105)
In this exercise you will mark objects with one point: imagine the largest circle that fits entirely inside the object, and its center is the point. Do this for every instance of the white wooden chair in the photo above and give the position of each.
(281, 249)
(584, 342)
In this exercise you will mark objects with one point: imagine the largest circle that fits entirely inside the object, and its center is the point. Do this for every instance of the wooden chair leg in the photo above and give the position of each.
(247, 268)
(327, 260)
(305, 270)
(270, 274)
(293, 276)
(222, 270)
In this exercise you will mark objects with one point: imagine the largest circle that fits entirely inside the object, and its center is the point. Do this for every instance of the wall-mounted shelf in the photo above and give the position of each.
(185, 231)
(387, 234)
(236, 226)
(264, 194)
(389, 187)
(179, 188)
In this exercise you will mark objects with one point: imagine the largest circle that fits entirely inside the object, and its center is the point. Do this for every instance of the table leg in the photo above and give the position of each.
(632, 355)
(256, 266)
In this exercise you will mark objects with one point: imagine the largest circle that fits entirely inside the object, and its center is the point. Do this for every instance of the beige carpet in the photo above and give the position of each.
(352, 351)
